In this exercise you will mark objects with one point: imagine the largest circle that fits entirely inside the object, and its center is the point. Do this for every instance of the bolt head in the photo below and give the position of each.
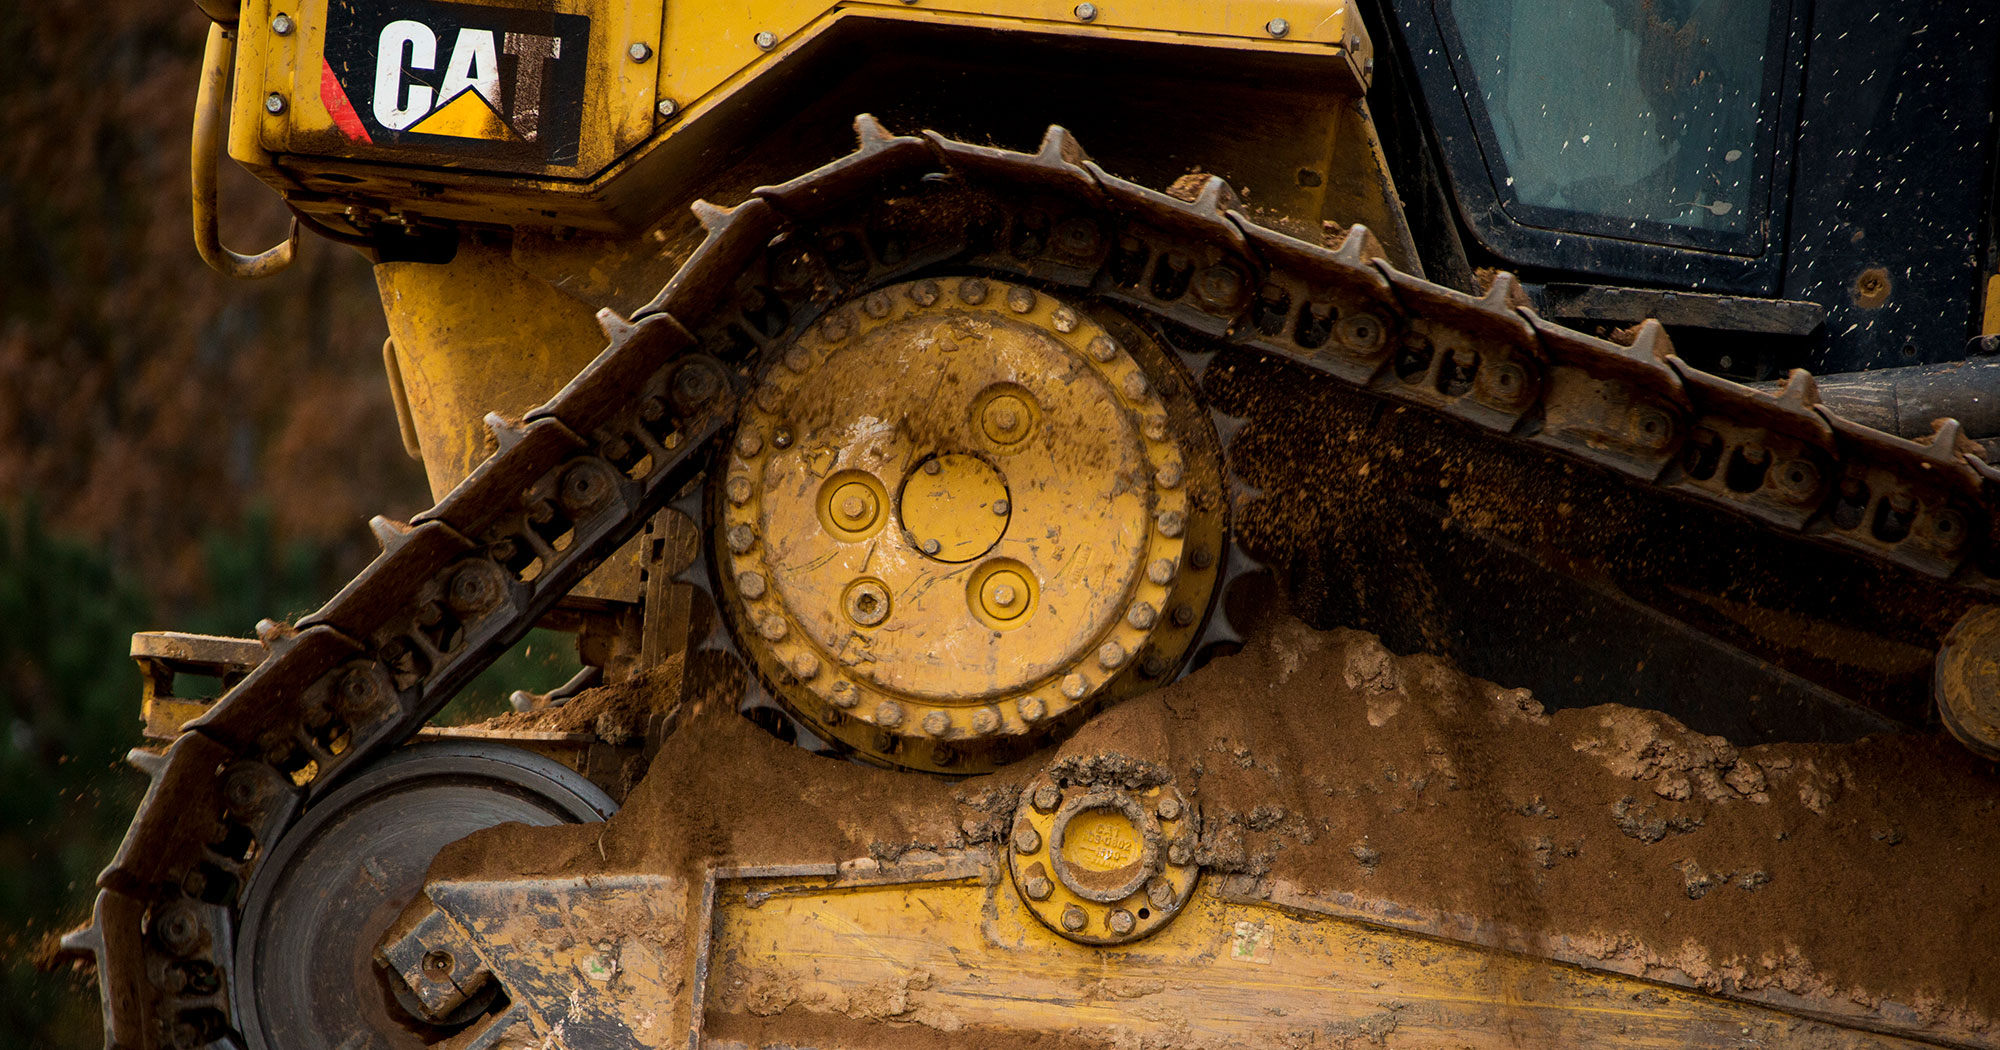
(937, 723)
(1039, 887)
(1047, 798)
(1170, 474)
(1121, 922)
(1161, 893)
(889, 714)
(1020, 300)
(1180, 852)
(1064, 319)
(739, 490)
(749, 444)
(281, 24)
(767, 40)
(1161, 571)
(1172, 523)
(1033, 709)
(972, 291)
(667, 108)
(741, 538)
(1169, 808)
(805, 666)
(1001, 507)
(1073, 686)
(1073, 919)
(1027, 839)
(1142, 616)
(845, 695)
(1103, 349)
(640, 51)
(930, 546)
(1086, 12)
(1277, 27)
(985, 720)
(750, 585)
(274, 103)
(1110, 655)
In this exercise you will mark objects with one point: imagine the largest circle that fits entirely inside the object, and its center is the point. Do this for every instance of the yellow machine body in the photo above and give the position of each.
(685, 101)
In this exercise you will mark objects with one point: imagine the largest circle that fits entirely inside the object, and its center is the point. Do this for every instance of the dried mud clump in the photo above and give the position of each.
(1331, 774)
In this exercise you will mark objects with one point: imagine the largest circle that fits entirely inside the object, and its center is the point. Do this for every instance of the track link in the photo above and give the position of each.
(581, 474)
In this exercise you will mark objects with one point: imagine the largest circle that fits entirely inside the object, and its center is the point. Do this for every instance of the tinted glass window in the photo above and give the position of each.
(1636, 118)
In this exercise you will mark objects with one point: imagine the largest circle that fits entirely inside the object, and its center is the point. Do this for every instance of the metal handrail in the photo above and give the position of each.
(210, 119)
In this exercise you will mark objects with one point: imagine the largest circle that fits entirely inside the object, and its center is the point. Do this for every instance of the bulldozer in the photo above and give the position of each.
(1006, 464)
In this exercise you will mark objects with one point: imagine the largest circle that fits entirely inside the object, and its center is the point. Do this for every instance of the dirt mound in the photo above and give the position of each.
(1333, 775)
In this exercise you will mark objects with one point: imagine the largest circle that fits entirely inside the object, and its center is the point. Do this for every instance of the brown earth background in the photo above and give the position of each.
(176, 449)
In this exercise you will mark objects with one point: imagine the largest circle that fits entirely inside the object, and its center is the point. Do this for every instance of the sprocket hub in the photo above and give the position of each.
(959, 514)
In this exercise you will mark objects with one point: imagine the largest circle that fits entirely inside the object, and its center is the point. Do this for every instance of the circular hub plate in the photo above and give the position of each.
(1102, 865)
(958, 513)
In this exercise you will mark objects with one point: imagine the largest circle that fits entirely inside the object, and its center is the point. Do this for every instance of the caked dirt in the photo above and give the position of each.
(1333, 774)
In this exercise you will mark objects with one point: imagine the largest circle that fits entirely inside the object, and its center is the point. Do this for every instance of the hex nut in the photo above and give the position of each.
(1169, 808)
(750, 585)
(1073, 919)
(889, 714)
(937, 723)
(1120, 922)
(1027, 839)
(640, 51)
(1073, 686)
(1033, 709)
(1142, 616)
(1039, 887)
(1161, 893)
(1047, 798)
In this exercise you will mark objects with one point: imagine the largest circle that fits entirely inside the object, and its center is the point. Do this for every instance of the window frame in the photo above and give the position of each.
(1599, 247)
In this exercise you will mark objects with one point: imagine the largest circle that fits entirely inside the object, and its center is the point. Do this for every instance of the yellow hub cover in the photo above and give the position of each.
(959, 513)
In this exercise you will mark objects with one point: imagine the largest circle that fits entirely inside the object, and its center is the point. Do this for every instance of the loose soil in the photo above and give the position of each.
(1334, 774)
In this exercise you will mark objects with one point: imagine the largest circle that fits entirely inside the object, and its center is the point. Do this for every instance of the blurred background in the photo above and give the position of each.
(177, 450)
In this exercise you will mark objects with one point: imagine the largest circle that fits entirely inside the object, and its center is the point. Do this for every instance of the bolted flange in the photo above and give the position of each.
(1104, 863)
(969, 467)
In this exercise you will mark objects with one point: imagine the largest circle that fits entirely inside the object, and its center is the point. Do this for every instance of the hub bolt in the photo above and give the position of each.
(805, 666)
(1027, 839)
(845, 695)
(1121, 922)
(1033, 709)
(937, 723)
(739, 490)
(868, 603)
(749, 444)
(1064, 319)
(1103, 349)
(1020, 300)
(1142, 616)
(1073, 919)
(741, 538)
(972, 291)
(1073, 686)
(1110, 655)
(1169, 808)
(1172, 522)
(1161, 893)
(889, 714)
(751, 585)
(1161, 571)
(1047, 798)
(1039, 887)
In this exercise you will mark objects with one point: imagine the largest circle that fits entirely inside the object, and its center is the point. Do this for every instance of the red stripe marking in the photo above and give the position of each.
(336, 102)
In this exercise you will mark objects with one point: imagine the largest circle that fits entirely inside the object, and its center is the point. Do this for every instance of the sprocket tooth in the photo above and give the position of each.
(1504, 294)
(506, 432)
(1227, 427)
(1217, 198)
(870, 133)
(711, 216)
(1801, 390)
(1949, 444)
(147, 762)
(616, 329)
(389, 532)
(1651, 341)
(84, 942)
(1359, 247)
(1059, 144)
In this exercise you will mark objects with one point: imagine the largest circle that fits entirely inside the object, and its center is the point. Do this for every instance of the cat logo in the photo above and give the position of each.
(457, 78)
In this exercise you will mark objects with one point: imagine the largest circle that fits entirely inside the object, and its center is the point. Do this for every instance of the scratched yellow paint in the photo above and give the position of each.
(961, 954)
